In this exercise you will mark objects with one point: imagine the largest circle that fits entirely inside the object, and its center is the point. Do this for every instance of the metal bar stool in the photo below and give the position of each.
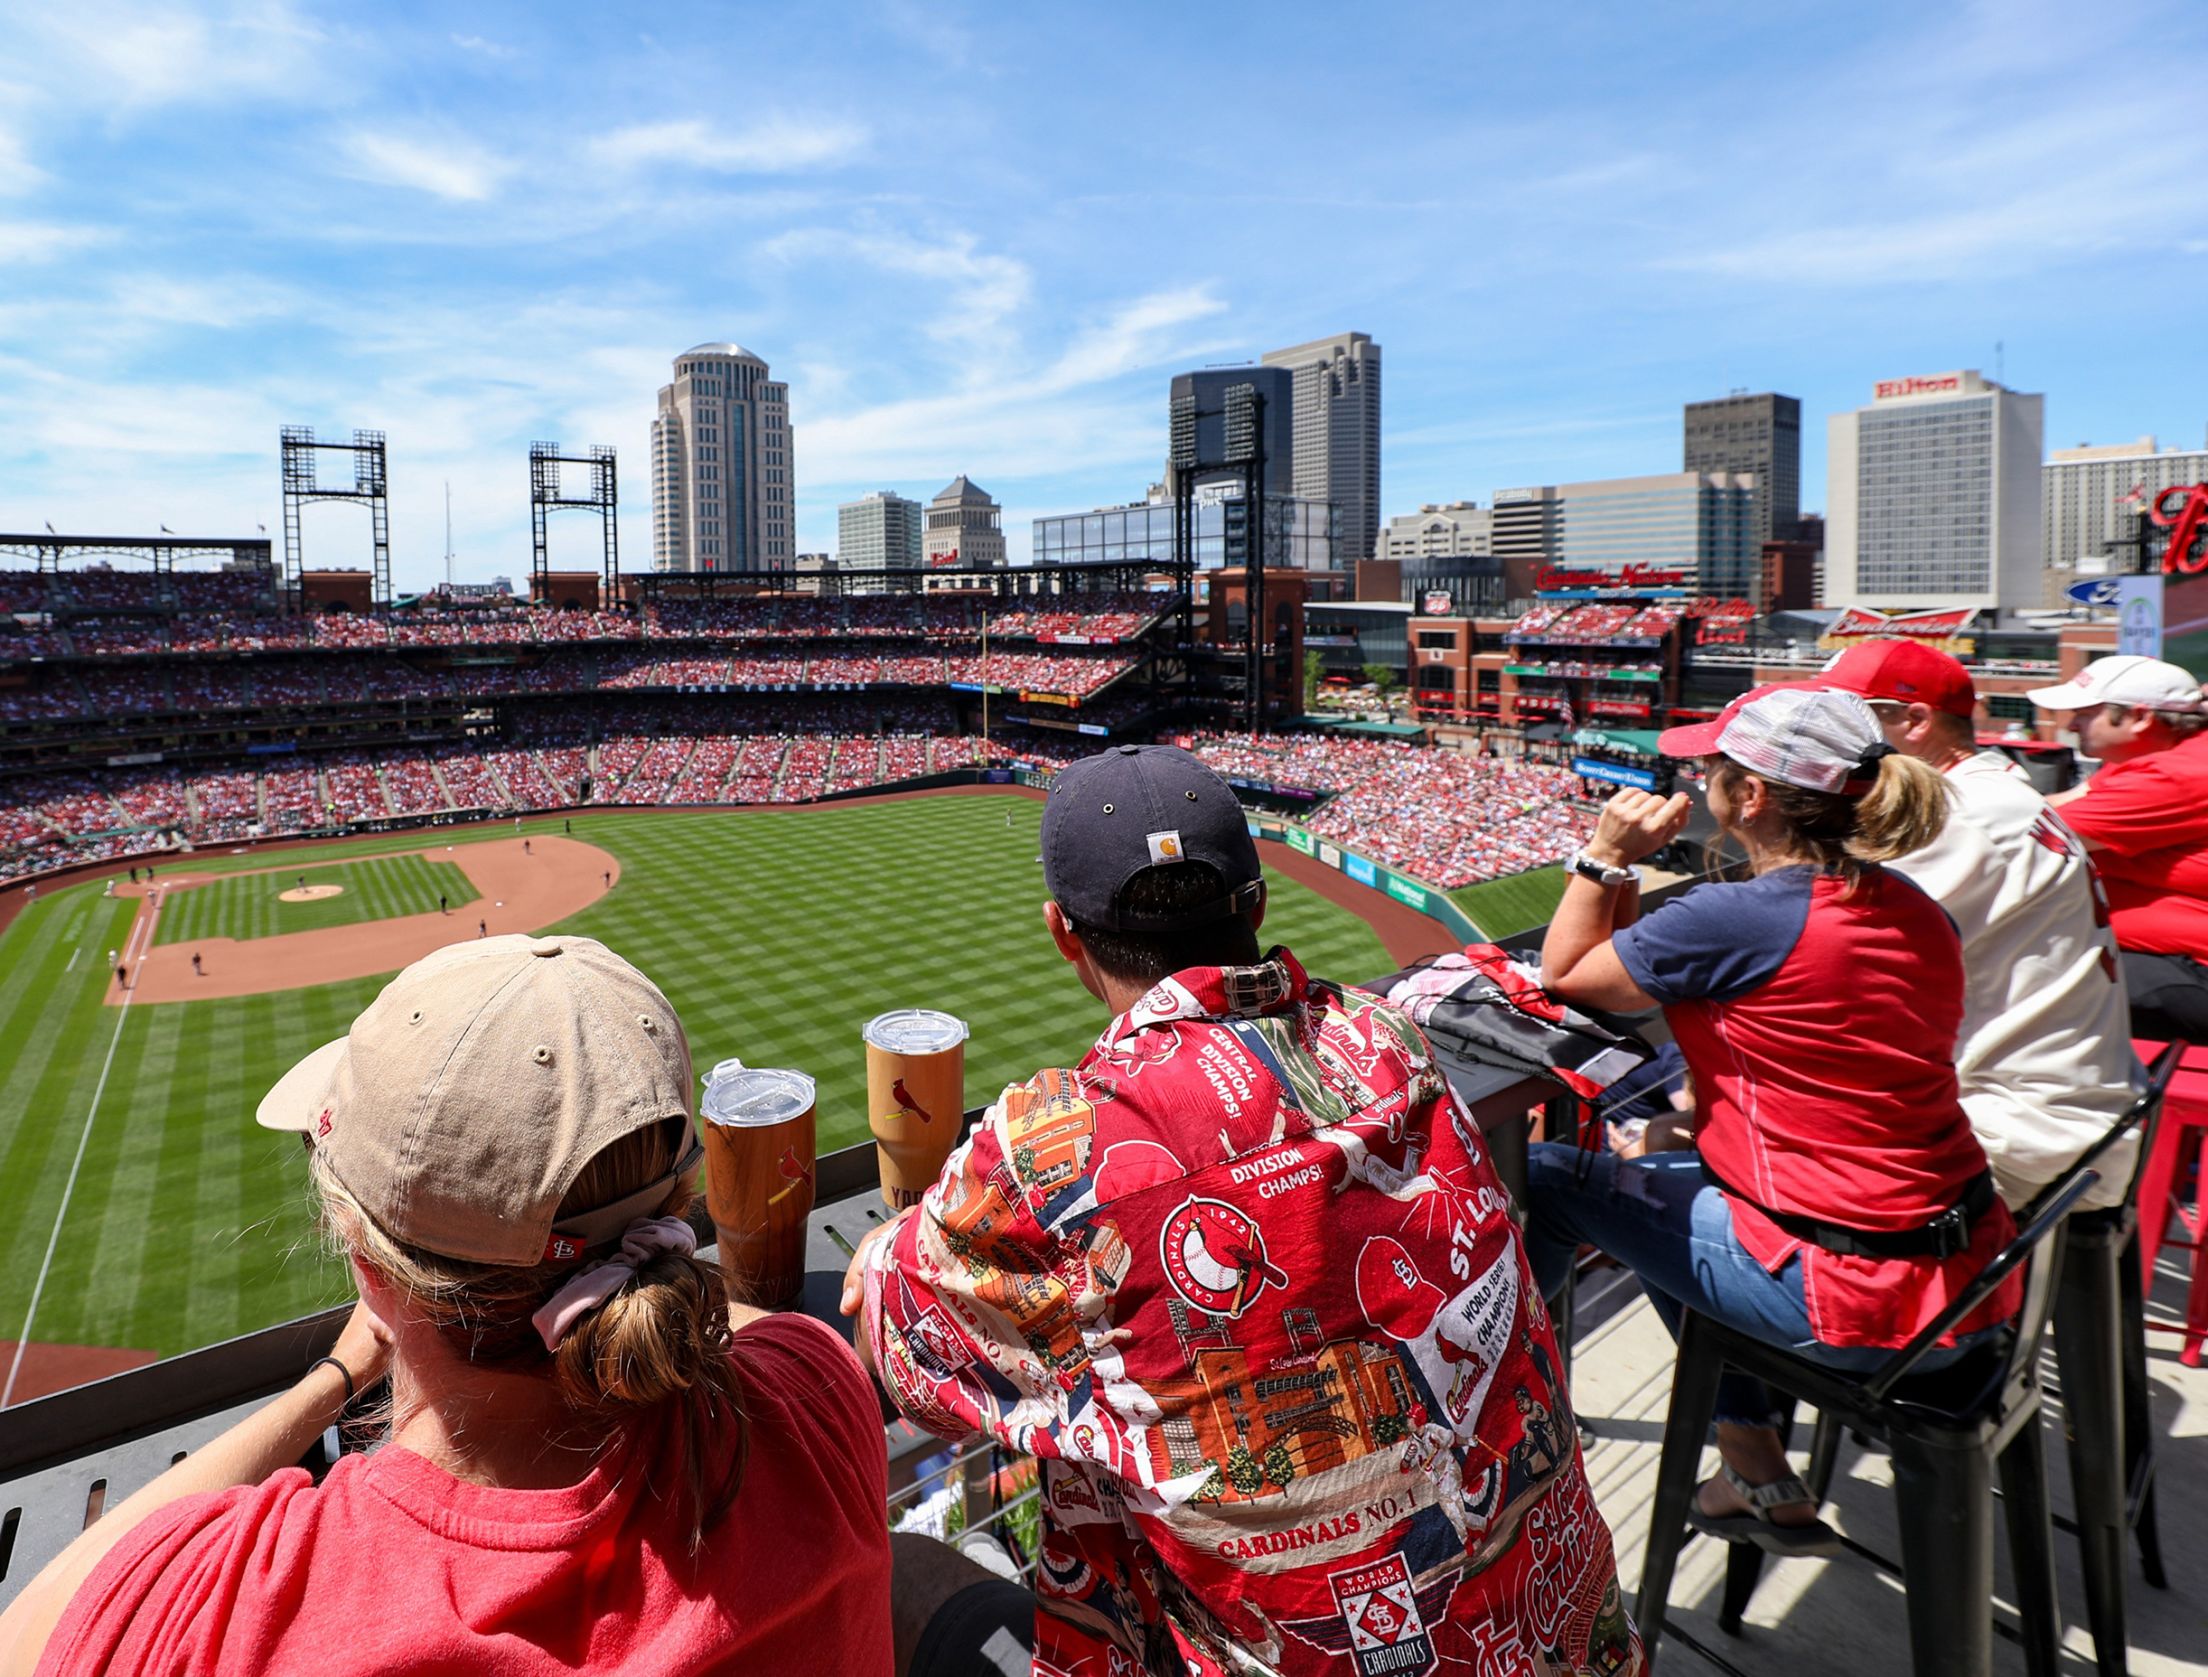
(1949, 1432)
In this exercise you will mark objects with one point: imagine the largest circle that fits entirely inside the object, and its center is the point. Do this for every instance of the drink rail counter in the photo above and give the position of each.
(66, 1458)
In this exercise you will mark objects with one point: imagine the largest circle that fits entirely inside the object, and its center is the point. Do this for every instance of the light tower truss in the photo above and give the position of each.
(546, 497)
(370, 486)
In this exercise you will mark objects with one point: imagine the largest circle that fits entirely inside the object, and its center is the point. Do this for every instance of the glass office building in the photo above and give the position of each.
(1298, 534)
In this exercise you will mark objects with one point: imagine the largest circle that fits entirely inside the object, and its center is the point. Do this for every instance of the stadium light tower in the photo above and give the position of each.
(371, 487)
(1243, 409)
(545, 461)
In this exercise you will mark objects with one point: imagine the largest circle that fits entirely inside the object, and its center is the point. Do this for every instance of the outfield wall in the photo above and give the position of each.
(1413, 894)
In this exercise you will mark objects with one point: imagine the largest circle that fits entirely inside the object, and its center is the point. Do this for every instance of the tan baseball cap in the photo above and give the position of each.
(468, 1096)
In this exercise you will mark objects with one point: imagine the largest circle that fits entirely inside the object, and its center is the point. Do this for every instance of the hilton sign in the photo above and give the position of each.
(1944, 384)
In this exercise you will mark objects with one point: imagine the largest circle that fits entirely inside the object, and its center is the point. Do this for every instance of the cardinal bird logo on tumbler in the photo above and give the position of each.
(903, 1097)
(1214, 1255)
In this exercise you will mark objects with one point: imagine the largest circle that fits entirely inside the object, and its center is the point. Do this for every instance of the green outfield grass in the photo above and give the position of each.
(1504, 907)
(250, 906)
(776, 933)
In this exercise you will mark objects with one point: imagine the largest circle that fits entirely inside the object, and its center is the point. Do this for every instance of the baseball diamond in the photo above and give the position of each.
(776, 933)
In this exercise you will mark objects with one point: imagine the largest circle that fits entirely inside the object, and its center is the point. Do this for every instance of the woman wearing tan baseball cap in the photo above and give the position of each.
(588, 1469)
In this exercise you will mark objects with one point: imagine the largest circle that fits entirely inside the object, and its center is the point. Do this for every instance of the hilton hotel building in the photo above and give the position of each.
(1932, 496)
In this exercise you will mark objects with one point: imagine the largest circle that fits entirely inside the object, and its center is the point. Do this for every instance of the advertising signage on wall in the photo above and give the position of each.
(1941, 629)
(1571, 580)
(1614, 774)
(1361, 871)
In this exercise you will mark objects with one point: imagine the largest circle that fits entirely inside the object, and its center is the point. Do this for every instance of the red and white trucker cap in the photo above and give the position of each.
(2124, 678)
(1820, 739)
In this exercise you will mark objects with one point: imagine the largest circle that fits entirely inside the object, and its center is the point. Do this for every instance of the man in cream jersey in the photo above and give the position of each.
(2044, 1056)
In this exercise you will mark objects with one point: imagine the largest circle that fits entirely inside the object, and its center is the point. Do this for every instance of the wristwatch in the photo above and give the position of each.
(1588, 868)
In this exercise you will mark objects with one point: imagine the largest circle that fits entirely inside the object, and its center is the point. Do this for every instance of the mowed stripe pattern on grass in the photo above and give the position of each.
(776, 934)
(252, 905)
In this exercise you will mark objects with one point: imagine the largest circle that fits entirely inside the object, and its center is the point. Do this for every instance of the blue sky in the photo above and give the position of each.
(980, 239)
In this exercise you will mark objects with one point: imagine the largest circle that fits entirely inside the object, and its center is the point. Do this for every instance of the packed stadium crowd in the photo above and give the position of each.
(44, 616)
(1445, 816)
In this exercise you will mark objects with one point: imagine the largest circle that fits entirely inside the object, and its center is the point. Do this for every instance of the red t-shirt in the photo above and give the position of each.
(392, 1565)
(2150, 818)
(1821, 1032)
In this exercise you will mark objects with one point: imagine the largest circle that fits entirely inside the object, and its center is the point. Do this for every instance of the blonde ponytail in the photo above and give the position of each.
(1904, 811)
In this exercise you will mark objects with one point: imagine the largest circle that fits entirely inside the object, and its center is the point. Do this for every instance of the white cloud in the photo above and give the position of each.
(476, 43)
(41, 241)
(134, 56)
(778, 146)
(986, 291)
(18, 174)
(445, 168)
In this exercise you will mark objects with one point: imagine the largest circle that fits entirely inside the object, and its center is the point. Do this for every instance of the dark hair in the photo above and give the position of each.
(1146, 957)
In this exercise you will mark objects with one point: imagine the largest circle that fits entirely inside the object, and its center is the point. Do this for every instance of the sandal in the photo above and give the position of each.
(1756, 1526)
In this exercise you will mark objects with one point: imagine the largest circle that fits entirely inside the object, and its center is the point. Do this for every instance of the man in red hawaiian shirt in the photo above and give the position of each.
(1245, 1283)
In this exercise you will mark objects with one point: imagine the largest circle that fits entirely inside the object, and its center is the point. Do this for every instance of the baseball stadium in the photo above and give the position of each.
(235, 800)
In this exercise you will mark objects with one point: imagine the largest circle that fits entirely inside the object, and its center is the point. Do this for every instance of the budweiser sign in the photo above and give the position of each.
(2183, 511)
(1857, 622)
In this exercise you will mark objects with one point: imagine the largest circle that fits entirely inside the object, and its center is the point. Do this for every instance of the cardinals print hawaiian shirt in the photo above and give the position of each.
(1246, 1285)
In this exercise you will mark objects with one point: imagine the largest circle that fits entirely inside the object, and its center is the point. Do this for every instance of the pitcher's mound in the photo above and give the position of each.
(310, 893)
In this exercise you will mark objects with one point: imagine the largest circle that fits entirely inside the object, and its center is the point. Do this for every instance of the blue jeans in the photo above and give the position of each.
(1659, 1217)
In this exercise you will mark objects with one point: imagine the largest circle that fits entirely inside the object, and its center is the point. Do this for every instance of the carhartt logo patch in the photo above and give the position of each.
(1166, 847)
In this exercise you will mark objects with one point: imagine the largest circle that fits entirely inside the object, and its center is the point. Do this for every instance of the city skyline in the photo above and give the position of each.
(473, 234)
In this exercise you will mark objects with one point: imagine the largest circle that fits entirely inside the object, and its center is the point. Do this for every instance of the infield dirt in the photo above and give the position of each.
(517, 890)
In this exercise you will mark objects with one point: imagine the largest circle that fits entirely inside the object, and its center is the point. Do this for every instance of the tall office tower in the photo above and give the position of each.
(2087, 489)
(1932, 496)
(1338, 432)
(964, 526)
(1759, 435)
(878, 532)
(723, 467)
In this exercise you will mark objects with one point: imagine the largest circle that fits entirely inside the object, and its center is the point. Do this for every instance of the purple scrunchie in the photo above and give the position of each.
(587, 1289)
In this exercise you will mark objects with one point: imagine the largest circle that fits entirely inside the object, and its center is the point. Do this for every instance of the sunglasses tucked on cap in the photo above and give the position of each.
(1820, 739)
(1140, 806)
(470, 1094)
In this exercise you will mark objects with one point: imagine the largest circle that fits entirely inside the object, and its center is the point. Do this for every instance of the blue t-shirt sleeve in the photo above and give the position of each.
(1720, 940)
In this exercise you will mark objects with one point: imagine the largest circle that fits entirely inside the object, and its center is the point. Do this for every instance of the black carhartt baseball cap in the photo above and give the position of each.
(1142, 806)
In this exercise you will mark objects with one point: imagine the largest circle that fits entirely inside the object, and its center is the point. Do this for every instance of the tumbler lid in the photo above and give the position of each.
(751, 1097)
(915, 1030)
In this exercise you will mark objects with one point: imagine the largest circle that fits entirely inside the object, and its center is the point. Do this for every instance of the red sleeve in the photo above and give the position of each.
(805, 1368)
(164, 1598)
(2135, 807)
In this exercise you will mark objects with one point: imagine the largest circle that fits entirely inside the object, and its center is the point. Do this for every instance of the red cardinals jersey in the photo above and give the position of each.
(1246, 1284)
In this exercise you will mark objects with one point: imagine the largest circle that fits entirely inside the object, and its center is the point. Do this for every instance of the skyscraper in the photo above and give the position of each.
(878, 532)
(1337, 432)
(1696, 523)
(1205, 396)
(1759, 435)
(964, 526)
(723, 466)
(1932, 496)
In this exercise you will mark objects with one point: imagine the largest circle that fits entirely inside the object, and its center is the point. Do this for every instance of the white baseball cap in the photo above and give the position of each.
(2125, 678)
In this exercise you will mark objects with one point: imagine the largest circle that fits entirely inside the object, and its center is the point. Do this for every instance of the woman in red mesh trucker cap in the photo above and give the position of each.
(1835, 1198)
(593, 1464)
